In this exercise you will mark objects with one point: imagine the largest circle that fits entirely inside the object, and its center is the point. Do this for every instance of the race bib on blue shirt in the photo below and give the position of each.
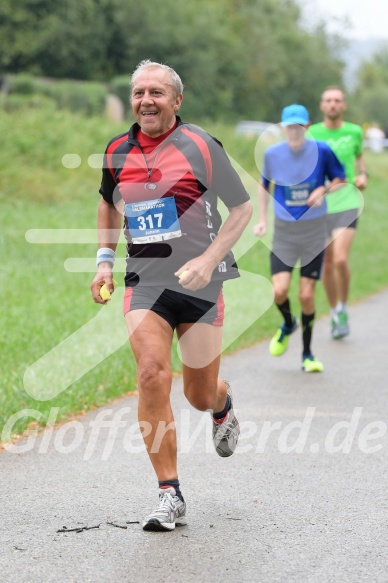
(297, 194)
(155, 220)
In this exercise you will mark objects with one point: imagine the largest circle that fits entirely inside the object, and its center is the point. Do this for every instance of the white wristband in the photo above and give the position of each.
(106, 254)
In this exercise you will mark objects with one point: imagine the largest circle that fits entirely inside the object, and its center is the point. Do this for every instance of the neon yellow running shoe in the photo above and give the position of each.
(279, 342)
(311, 364)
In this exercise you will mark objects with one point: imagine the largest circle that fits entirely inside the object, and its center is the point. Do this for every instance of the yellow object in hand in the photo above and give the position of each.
(183, 274)
(104, 291)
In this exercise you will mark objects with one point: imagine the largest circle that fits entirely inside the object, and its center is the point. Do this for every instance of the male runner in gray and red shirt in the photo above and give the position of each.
(166, 177)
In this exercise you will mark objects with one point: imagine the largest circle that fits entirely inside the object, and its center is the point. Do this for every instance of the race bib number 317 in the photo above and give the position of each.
(155, 220)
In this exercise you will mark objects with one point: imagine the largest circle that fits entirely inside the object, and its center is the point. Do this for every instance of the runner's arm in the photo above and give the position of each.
(109, 227)
(361, 180)
(260, 228)
(316, 197)
(201, 268)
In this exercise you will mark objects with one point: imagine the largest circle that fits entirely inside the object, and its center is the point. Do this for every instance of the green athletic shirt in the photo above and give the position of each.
(346, 142)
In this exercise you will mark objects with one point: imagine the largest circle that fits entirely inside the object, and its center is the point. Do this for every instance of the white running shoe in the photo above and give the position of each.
(171, 512)
(226, 434)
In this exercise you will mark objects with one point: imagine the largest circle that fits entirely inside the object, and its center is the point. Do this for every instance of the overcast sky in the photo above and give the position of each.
(369, 18)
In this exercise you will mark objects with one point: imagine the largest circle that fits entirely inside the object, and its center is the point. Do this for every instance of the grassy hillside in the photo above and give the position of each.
(44, 290)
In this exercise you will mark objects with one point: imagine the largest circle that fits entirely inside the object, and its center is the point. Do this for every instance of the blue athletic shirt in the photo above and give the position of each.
(296, 174)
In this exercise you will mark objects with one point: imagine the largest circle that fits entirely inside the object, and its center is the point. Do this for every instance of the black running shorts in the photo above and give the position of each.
(177, 305)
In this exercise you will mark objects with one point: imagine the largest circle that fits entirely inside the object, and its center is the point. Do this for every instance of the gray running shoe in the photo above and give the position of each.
(171, 512)
(334, 326)
(226, 434)
(339, 326)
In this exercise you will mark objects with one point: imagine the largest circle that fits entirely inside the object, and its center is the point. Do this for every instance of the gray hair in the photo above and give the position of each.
(176, 81)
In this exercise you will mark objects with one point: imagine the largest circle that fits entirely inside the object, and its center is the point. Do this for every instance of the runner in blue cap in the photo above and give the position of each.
(302, 172)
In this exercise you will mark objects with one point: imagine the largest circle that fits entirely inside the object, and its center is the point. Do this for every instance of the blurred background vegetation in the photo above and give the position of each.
(239, 59)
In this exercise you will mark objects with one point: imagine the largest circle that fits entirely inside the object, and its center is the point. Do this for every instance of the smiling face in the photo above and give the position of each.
(154, 103)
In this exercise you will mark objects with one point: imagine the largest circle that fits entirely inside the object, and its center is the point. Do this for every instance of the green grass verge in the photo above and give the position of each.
(45, 304)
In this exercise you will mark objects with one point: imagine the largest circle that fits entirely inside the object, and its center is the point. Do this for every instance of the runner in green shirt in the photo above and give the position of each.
(346, 140)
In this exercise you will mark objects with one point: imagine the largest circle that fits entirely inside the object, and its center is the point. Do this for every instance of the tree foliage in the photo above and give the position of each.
(371, 94)
(237, 58)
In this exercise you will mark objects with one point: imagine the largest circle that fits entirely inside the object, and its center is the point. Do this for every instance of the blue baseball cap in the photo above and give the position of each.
(295, 114)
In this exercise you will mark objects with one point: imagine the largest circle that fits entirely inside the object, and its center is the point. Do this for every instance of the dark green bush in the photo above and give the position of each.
(22, 84)
(120, 86)
(85, 97)
(78, 96)
(15, 102)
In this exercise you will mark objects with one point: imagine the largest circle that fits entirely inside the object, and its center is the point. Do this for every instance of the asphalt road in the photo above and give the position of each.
(303, 499)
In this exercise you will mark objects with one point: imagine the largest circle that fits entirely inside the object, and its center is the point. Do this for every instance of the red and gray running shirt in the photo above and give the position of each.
(170, 187)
